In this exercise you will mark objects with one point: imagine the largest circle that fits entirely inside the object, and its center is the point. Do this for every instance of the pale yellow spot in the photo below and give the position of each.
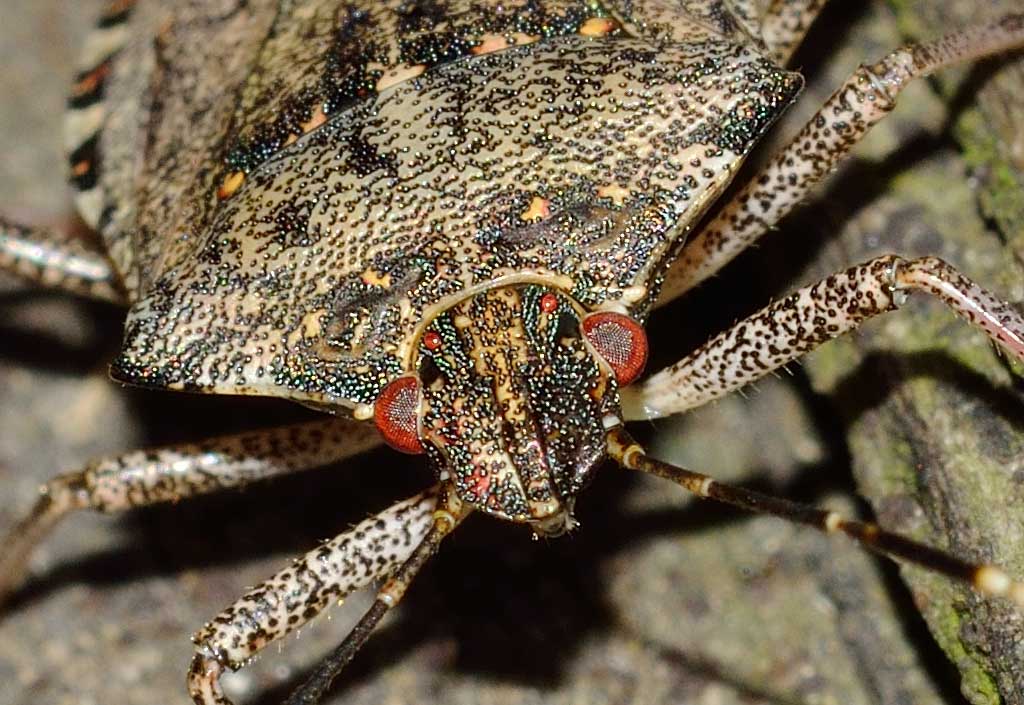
(832, 522)
(490, 43)
(291, 140)
(232, 182)
(539, 209)
(617, 193)
(363, 412)
(318, 119)
(309, 327)
(632, 294)
(405, 307)
(396, 75)
(372, 278)
(521, 38)
(598, 27)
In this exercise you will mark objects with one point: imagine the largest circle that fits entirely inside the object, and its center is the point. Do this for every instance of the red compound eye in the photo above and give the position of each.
(548, 303)
(432, 340)
(621, 342)
(396, 414)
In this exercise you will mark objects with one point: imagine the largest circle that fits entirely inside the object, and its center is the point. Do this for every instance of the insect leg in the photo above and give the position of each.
(988, 580)
(388, 596)
(786, 23)
(786, 329)
(139, 478)
(863, 101)
(398, 541)
(58, 261)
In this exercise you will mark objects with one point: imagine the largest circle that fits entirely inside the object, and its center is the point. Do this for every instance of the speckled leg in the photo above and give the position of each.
(139, 478)
(988, 580)
(805, 319)
(865, 99)
(786, 23)
(57, 261)
(396, 542)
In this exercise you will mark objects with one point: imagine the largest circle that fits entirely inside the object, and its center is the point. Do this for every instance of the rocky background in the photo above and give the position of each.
(657, 599)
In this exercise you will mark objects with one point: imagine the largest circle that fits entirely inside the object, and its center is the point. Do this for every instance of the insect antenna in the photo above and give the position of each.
(988, 580)
(310, 692)
(314, 687)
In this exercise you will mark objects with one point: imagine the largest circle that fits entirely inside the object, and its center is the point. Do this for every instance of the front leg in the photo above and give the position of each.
(786, 23)
(397, 541)
(785, 330)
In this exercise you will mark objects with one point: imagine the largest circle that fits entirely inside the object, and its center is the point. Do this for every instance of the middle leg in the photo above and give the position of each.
(786, 329)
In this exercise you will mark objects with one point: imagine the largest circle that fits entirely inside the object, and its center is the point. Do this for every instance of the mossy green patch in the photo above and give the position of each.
(1001, 184)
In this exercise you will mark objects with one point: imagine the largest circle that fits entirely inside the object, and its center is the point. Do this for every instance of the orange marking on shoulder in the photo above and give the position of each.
(318, 119)
(489, 43)
(232, 182)
(397, 74)
(540, 208)
(496, 42)
(81, 168)
(519, 38)
(598, 27)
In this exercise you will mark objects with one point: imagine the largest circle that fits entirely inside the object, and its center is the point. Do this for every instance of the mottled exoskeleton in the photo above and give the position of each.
(451, 218)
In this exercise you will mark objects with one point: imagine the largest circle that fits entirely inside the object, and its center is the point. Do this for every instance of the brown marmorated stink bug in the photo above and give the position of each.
(448, 220)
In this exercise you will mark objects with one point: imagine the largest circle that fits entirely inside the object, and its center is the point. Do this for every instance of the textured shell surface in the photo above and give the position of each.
(293, 190)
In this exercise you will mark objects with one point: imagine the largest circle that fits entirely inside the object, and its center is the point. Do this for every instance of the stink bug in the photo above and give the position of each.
(232, 187)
